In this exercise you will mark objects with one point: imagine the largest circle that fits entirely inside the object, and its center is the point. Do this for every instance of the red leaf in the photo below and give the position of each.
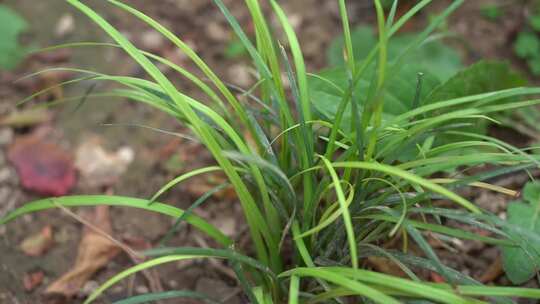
(43, 167)
(32, 280)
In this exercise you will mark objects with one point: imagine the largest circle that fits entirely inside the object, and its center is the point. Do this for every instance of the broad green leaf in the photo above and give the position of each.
(121, 201)
(531, 193)
(534, 22)
(481, 77)
(11, 26)
(491, 12)
(363, 40)
(534, 65)
(522, 263)
(434, 60)
(432, 57)
(235, 49)
(527, 45)
(400, 93)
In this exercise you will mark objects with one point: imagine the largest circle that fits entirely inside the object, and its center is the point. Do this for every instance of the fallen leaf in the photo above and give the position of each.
(494, 271)
(98, 167)
(437, 278)
(38, 244)
(200, 185)
(95, 251)
(25, 118)
(386, 266)
(53, 56)
(47, 82)
(32, 280)
(43, 167)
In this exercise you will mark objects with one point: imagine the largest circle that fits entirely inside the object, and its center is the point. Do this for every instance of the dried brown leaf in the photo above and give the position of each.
(95, 251)
(39, 243)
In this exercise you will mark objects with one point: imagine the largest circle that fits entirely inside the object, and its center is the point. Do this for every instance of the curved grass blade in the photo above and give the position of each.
(121, 201)
(344, 211)
(458, 233)
(341, 280)
(406, 286)
(137, 268)
(189, 211)
(294, 290)
(180, 179)
(394, 171)
(152, 297)
(254, 217)
(210, 252)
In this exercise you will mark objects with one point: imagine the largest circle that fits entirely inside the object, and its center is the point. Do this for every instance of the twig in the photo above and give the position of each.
(118, 243)
(214, 262)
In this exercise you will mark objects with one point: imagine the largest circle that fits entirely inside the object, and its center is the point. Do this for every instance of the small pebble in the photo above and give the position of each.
(65, 26)
(240, 75)
(141, 289)
(28, 218)
(7, 176)
(5, 192)
(88, 288)
(152, 41)
(6, 136)
(4, 175)
(117, 289)
(216, 32)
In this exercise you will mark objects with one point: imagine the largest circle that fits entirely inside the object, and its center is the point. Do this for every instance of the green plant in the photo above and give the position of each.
(525, 214)
(235, 49)
(338, 193)
(11, 51)
(527, 44)
(491, 12)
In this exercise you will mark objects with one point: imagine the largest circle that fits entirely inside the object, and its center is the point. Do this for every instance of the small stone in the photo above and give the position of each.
(217, 32)
(240, 75)
(65, 26)
(142, 289)
(152, 41)
(28, 218)
(98, 167)
(117, 289)
(6, 136)
(88, 288)
(227, 225)
(7, 176)
(5, 192)
(296, 21)
(8, 200)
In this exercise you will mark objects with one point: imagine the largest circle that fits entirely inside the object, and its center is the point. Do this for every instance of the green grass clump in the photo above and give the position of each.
(339, 194)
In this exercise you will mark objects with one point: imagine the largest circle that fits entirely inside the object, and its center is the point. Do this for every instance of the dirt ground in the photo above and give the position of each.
(158, 157)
